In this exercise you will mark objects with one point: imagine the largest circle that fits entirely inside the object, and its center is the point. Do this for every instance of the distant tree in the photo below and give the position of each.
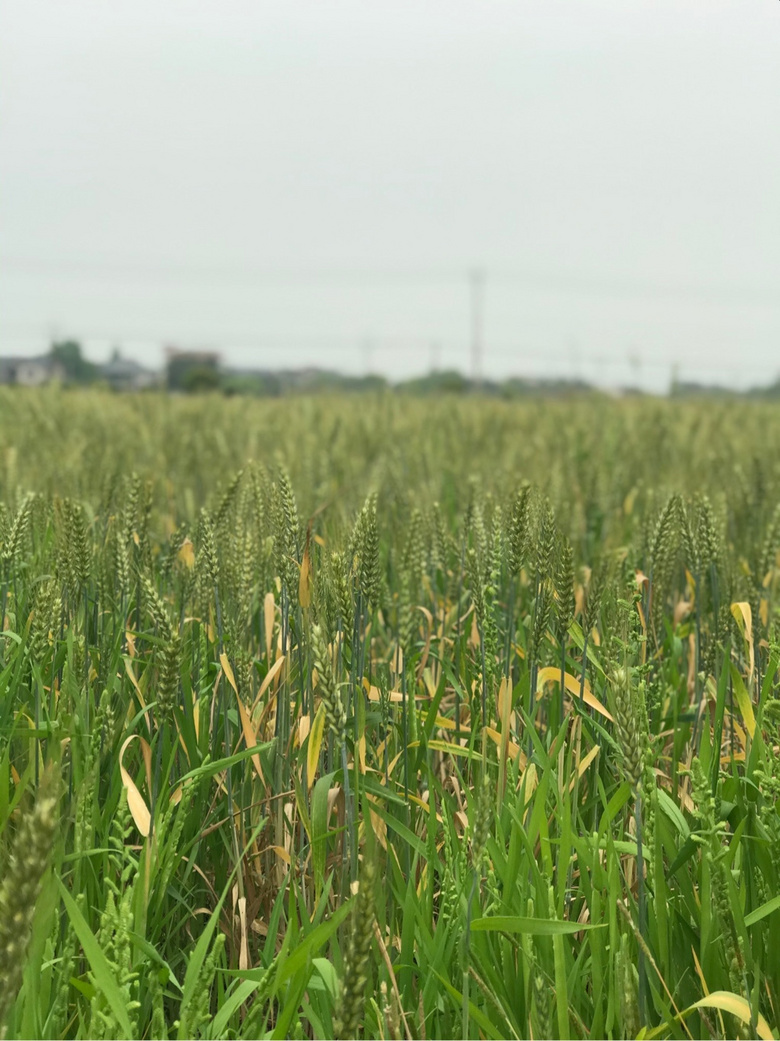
(200, 378)
(76, 367)
(447, 382)
(186, 370)
(250, 384)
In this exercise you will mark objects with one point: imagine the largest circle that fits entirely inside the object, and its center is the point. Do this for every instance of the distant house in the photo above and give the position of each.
(31, 372)
(126, 374)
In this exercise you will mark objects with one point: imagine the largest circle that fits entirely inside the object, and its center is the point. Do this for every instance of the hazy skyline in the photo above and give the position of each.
(312, 182)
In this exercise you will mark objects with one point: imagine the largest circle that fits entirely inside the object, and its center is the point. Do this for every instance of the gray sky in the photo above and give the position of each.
(311, 182)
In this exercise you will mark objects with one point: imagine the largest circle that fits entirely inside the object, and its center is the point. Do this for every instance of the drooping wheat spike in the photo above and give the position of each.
(476, 583)
(109, 490)
(82, 548)
(481, 821)
(157, 609)
(173, 549)
(15, 532)
(4, 526)
(541, 1015)
(368, 578)
(169, 671)
(227, 502)
(545, 543)
(342, 593)
(245, 675)
(690, 541)
(198, 1012)
(207, 560)
(542, 614)
(46, 620)
(143, 521)
(350, 1009)
(594, 595)
(519, 529)
(159, 1029)
(413, 561)
(245, 577)
(439, 540)
(707, 531)
(115, 928)
(335, 714)
(663, 557)
(104, 726)
(543, 562)
(28, 860)
(454, 868)
(132, 500)
(564, 587)
(628, 984)
(479, 534)
(630, 724)
(408, 621)
(710, 836)
(74, 551)
(390, 1013)
(122, 564)
(476, 578)
(168, 656)
(287, 535)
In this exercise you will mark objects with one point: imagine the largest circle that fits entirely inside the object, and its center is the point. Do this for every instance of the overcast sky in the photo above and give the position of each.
(312, 182)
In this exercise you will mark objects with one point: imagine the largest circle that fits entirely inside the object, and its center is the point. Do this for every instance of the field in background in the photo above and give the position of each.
(367, 716)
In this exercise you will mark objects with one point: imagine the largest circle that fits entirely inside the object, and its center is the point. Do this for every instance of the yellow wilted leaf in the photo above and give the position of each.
(315, 744)
(187, 554)
(282, 853)
(396, 696)
(227, 669)
(743, 616)
(504, 712)
(304, 728)
(134, 681)
(474, 634)
(511, 748)
(379, 825)
(250, 737)
(269, 678)
(726, 1001)
(551, 674)
(269, 609)
(243, 957)
(304, 581)
(743, 700)
(504, 701)
(584, 764)
(135, 801)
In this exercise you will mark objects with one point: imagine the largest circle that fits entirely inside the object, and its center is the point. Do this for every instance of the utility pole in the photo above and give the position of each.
(477, 292)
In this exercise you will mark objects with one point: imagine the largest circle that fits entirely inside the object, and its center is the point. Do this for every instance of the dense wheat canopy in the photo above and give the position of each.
(388, 717)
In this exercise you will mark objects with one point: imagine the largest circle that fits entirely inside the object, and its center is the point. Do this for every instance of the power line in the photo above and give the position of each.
(532, 279)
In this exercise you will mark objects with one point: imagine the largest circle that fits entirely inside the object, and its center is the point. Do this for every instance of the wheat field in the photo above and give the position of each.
(389, 718)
